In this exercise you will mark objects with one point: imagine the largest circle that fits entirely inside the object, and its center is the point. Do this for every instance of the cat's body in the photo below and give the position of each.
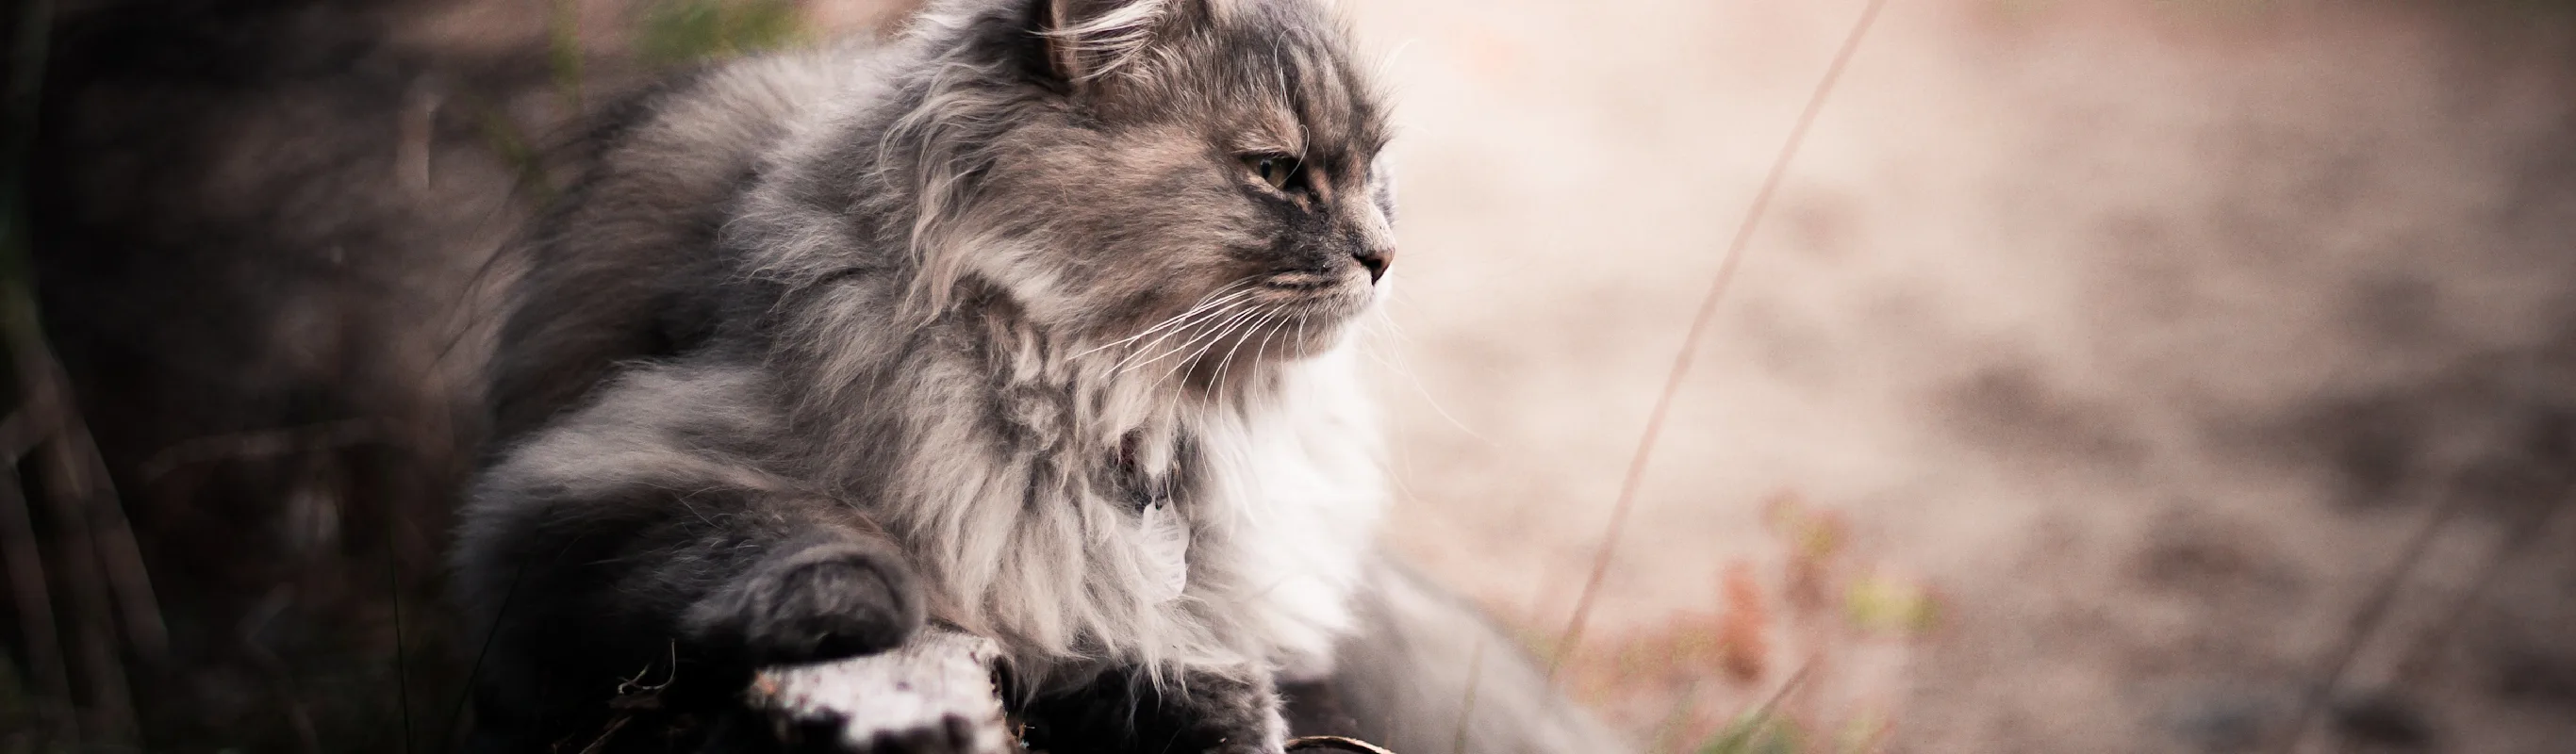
(995, 440)
(1031, 324)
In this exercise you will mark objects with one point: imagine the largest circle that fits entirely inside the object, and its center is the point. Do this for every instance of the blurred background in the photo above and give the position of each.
(2108, 375)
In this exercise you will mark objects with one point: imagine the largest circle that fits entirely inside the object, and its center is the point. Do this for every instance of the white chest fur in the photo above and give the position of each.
(1028, 548)
(1299, 491)
(1165, 540)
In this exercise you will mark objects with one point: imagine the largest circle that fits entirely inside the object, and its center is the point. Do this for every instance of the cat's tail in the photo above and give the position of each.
(1404, 678)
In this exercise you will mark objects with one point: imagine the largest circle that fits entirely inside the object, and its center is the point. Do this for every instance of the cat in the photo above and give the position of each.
(1034, 324)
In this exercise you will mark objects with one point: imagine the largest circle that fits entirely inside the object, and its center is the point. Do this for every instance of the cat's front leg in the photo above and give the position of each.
(816, 597)
(581, 573)
(1193, 711)
(1228, 712)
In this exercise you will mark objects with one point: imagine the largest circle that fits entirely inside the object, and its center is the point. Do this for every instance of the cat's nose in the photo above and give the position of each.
(1373, 243)
(1375, 258)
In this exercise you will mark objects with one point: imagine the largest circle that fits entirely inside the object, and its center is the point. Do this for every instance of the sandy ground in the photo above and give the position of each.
(2142, 337)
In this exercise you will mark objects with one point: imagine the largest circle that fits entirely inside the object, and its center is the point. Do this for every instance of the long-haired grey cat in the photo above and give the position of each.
(1032, 325)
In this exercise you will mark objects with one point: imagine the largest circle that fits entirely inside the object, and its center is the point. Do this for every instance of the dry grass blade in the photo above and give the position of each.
(77, 480)
(90, 622)
(262, 443)
(1760, 729)
(35, 607)
(1573, 636)
(402, 647)
(2423, 656)
(31, 424)
(2382, 598)
(95, 552)
(2365, 622)
(1467, 707)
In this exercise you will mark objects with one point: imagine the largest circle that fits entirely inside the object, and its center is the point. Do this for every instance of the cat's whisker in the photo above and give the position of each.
(1235, 341)
(1220, 334)
(1221, 297)
(1268, 319)
(1204, 303)
(1237, 312)
(1228, 331)
(1393, 361)
(1200, 327)
(1387, 318)
(1196, 320)
(1263, 351)
(1239, 288)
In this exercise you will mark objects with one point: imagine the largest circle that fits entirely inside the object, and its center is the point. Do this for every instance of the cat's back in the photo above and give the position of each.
(623, 267)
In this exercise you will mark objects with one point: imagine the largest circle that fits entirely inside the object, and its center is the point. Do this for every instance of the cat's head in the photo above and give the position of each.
(1187, 176)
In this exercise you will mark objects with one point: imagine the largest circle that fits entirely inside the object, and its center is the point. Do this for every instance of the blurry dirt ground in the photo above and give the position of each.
(2097, 362)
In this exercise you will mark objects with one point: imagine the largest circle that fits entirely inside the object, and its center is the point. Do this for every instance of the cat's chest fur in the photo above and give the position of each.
(1076, 515)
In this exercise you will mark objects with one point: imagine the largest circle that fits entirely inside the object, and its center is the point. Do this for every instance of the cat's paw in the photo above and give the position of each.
(813, 603)
(933, 695)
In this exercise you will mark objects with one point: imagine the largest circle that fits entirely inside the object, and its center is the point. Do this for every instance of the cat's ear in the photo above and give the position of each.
(1083, 40)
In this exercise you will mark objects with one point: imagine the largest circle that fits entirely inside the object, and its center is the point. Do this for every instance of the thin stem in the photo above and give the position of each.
(394, 590)
(1573, 636)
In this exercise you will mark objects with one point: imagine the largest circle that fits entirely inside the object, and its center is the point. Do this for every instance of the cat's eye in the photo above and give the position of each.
(1278, 170)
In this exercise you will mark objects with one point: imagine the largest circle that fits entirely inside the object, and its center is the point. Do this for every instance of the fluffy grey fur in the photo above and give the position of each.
(1030, 323)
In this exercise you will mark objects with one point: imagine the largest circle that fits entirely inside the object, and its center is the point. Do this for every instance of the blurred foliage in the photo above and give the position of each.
(684, 31)
(1863, 733)
(1819, 602)
(511, 145)
(1769, 732)
(1811, 533)
(1889, 605)
(1756, 734)
(1743, 631)
(563, 51)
